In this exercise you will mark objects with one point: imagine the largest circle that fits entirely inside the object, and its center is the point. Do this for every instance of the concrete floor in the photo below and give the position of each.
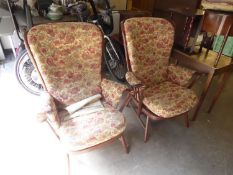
(27, 148)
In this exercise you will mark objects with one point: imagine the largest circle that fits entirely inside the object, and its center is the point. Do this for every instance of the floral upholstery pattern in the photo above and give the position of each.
(71, 71)
(86, 131)
(48, 110)
(149, 42)
(70, 68)
(179, 75)
(132, 79)
(149, 53)
(169, 99)
(112, 92)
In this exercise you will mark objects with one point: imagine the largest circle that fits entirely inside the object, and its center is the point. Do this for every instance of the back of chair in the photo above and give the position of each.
(68, 59)
(148, 43)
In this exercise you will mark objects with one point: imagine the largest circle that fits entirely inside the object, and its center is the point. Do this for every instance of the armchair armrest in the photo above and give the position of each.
(189, 62)
(137, 89)
(180, 75)
(48, 110)
(112, 92)
(132, 79)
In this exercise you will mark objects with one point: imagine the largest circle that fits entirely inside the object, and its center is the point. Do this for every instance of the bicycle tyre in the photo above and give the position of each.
(117, 68)
(26, 74)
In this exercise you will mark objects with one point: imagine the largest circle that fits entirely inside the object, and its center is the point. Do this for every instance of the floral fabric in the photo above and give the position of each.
(48, 110)
(149, 42)
(179, 75)
(86, 131)
(169, 99)
(68, 57)
(112, 92)
(132, 79)
(69, 63)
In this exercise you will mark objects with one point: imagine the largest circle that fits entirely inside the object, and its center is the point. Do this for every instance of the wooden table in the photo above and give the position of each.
(210, 62)
(205, 64)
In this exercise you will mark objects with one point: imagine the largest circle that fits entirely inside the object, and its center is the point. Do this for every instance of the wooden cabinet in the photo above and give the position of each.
(144, 4)
(165, 4)
(185, 16)
(118, 4)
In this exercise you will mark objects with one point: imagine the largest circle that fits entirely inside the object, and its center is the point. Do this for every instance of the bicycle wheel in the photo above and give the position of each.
(115, 59)
(27, 75)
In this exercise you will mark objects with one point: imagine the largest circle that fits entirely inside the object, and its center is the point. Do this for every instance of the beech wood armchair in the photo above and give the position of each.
(158, 89)
(68, 58)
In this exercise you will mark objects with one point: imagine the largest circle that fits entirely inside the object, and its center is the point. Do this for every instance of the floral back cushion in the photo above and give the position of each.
(149, 42)
(68, 57)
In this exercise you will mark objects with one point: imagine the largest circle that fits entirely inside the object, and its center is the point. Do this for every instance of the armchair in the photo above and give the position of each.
(68, 57)
(159, 89)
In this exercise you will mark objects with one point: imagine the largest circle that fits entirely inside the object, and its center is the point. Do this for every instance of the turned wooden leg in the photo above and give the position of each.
(146, 129)
(125, 102)
(203, 95)
(202, 42)
(186, 120)
(124, 144)
(209, 44)
(68, 163)
(222, 82)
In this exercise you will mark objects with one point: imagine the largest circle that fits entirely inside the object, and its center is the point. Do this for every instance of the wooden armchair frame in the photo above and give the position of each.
(68, 153)
(136, 94)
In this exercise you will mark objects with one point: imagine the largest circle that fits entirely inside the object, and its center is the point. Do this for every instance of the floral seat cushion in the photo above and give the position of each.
(168, 99)
(90, 130)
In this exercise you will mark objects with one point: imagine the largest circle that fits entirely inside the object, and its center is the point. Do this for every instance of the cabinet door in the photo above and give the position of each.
(144, 4)
(118, 4)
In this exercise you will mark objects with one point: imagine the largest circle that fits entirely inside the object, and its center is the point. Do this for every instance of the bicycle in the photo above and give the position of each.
(114, 51)
(113, 54)
(24, 69)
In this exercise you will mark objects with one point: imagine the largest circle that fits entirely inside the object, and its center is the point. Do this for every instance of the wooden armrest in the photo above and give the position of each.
(187, 61)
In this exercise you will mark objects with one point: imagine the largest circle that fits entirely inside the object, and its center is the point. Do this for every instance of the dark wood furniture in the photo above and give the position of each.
(144, 5)
(190, 20)
(216, 23)
(205, 65)
(186, 17)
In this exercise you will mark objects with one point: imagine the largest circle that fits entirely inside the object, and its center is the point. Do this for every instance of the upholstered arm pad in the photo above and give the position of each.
(132, 79)
(112, 91)
(48, 110)
(180, 75)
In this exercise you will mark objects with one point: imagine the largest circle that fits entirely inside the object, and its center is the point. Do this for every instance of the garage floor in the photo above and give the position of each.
(30, 148)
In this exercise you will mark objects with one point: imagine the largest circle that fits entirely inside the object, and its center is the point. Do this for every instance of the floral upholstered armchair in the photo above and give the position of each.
(68, 58)
(159, 88)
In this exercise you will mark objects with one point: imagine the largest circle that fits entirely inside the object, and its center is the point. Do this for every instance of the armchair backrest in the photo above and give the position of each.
(148, 43)
(68, 58)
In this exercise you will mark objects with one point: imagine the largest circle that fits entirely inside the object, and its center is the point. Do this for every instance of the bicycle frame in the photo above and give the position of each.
(29, 22)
